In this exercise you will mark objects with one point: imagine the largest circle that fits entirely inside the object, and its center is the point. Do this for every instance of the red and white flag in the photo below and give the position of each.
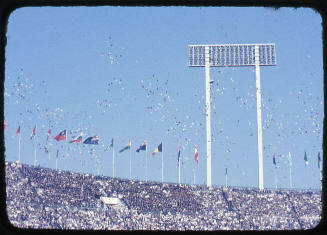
(33, 132)
(18, 131)
(77, 140)
(196, 154)
(47, 141)
(61, 136)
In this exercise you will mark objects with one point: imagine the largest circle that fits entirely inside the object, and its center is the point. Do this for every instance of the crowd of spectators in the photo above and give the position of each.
(48, 199)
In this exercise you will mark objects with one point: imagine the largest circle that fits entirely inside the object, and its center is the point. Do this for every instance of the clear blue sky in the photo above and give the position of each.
(90, 70)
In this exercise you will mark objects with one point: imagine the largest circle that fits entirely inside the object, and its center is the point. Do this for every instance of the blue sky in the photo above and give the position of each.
(121, 72)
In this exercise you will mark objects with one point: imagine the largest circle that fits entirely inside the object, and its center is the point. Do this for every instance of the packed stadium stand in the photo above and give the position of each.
(48, 199)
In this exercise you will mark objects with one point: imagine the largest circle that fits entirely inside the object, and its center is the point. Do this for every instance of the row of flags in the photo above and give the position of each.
(95, 140)
(306, 162)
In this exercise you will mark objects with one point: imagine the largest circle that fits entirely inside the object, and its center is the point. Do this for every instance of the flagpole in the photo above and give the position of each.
(290, 163)
(226, 178)
(57, 159)
(146, 163)
(113, 162)
(130, 162)
(35, 151)
(161, 163)
(19, 139)
(275, 178)
(179, 171)
(194, 175)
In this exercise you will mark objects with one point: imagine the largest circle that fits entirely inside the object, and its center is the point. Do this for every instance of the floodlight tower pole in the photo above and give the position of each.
(258, 88)
(208, 121)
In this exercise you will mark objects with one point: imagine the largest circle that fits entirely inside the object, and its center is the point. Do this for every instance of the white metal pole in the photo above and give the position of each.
(275, 177)
(130, 163)
(113, 162)
(146, 163)
(19, 140)
(194, 177)
(290, 163)
(226, 178)
(35, 152)
(179, 171)
(208, 123)
(57, 160)
(257, 76)
(162, 163)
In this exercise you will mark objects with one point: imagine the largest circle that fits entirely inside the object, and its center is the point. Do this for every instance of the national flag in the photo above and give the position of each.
(111, 144)
(226, 171)
(306, 158)
(18, 131)
(128, 146)
(61, 136)
(142, 147)
(77, 140)
(319, 160)
(158, 149)
(33, 132)
(196, 154)
(92, 140)
(179, 153)
(274, 160)
(47, 141)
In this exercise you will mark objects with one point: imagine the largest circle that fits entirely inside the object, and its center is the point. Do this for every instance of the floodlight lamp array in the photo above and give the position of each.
(231, 55)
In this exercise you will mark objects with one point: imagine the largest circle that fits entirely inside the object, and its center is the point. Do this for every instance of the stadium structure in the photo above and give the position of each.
(44, 198)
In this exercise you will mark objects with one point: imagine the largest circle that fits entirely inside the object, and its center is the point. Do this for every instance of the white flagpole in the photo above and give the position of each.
(226, 178)
(320, 169)
(19, 139)
(290, 163)
(194, 176)
(57, 159)
(179, 170)
(146, 162)
(66, 148)
(130, 162)
(113, 162)
(35, 151)
(275, 178)
(161, 163)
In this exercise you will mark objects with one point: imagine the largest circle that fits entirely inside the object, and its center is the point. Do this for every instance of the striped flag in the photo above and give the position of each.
(33, 132)
(128, 146)
(158, 149)
(196, 154)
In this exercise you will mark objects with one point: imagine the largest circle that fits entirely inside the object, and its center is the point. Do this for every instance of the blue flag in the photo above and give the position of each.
(142, 147)
(92, 140)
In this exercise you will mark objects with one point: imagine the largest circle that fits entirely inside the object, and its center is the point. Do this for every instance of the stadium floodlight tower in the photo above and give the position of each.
(221, 55)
